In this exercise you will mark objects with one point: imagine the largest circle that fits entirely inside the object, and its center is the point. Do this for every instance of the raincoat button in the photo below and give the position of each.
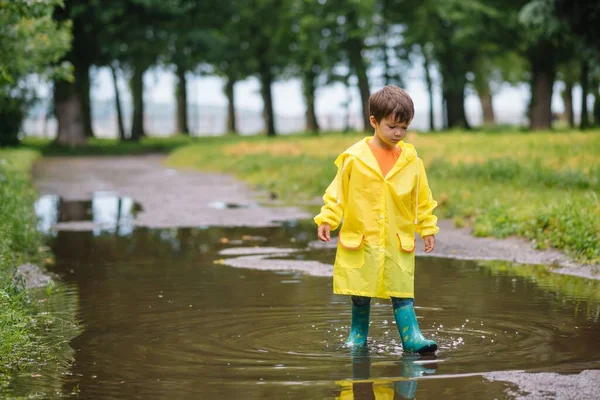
(381, 216)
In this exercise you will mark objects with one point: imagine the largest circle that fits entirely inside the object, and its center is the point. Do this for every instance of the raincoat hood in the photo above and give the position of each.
(362, 152)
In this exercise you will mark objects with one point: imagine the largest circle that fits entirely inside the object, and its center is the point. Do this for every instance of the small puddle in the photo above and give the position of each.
(222, 205)
(165, 316)
(105, 212)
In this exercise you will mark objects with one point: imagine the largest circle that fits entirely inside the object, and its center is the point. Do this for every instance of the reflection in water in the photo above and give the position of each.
(402, 384)
(162, 320)
(107, 213)
(222, 205)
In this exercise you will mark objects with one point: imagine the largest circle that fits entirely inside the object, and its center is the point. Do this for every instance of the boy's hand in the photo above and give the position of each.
(324, 232)
(429, 243)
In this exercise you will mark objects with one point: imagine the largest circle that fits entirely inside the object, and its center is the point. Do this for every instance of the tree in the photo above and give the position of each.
(581, 21)
(544, 37)
(427, 65)
(581, 17)
(481, 83)
(355, 25)
(266, 46)
(192, 28)
(31, 27)
(137, 43)
(121, 127)
(69, 98)
(568, 72)
(315, 52)
(228, 57)
(84, 52)
(494, 67)
(388, 42)
(455, 33)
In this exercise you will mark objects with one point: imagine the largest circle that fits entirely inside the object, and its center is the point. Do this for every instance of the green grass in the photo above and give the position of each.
(25, 341)
(543, 186)
(109, 147)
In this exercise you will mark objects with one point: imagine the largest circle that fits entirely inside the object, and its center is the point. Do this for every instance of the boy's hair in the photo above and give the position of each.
(391, 101)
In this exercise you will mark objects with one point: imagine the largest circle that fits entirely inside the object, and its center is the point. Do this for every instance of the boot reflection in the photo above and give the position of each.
(401, 383)
(411, 367)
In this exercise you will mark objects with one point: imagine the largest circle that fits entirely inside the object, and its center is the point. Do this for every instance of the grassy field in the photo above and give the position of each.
(542, 186)
(26, 322)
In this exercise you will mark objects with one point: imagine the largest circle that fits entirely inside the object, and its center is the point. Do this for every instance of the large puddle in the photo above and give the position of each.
(164, 316)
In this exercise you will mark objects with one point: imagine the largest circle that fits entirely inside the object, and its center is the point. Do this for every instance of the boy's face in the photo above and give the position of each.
(389, 131)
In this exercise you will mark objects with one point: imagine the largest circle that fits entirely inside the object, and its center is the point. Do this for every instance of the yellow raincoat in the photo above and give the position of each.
(375, 253)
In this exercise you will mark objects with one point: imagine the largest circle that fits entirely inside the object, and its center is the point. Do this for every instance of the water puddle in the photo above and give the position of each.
(106, 212)
(223, 205)
(167, 314)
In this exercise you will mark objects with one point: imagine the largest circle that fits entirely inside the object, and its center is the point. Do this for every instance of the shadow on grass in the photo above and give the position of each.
(110, 147)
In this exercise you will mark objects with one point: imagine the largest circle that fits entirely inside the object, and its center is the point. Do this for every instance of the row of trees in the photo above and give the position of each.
(473, 44)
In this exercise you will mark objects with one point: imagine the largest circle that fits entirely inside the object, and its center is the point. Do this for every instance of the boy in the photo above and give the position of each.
(381, 190)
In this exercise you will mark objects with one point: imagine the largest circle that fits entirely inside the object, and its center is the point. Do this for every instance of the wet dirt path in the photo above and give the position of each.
(175, 198)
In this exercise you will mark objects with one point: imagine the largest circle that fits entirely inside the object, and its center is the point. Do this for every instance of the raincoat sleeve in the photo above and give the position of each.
(426, 222)
(332, 211)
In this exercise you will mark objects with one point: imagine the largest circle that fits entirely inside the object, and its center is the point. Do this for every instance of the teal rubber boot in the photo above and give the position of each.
(360, 325)
(408, 327)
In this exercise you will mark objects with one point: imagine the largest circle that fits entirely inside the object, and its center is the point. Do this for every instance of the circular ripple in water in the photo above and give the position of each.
(307, 343)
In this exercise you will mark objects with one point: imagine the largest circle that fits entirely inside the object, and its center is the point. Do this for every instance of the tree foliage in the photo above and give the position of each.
(31, 42)
(475, 45)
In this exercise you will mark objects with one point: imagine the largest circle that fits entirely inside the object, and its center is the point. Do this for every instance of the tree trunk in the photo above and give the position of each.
(182, 114)
(429, 81)
(568, 102)
(485, 98)
(453, 67)
(120, 125)
(69, 211)
(137, 89)
(454, 97)
(266, 81)
(308, 87)
(357, 63)
(542, 80)
(347, 104)
(384, 9)
(596, 110)
(444, 114)
(453, 91)
(231, 117)
(118, 221)
(67, 106)
(82, 84)
(585, 72)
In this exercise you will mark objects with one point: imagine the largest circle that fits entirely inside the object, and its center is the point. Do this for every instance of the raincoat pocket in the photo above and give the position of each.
(407, 244)
(351, 250)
